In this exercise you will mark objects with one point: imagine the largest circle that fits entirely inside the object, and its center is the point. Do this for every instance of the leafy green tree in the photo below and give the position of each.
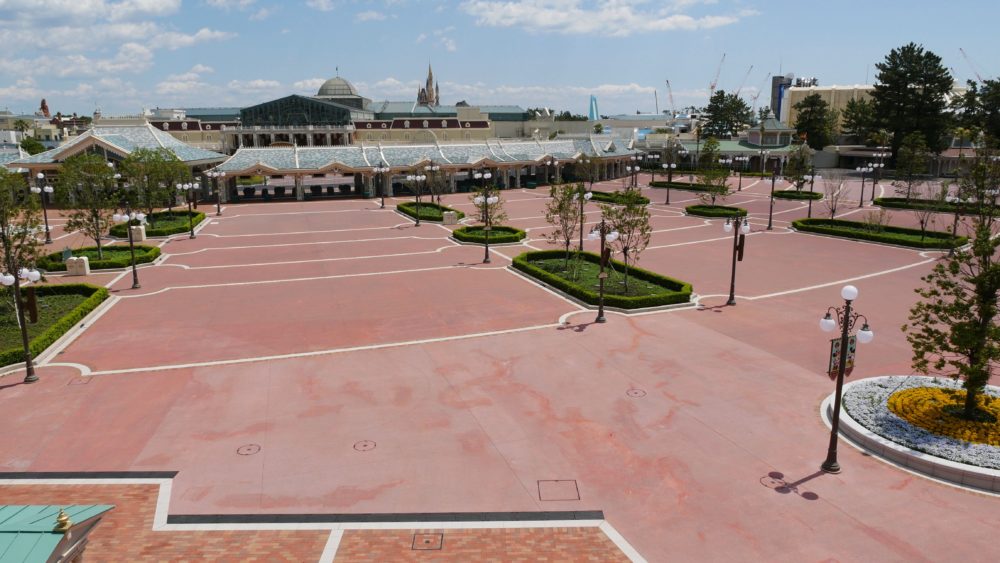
(911, 163)
(762, 114)
(712, 173)
(911, 96)
(978, 109)
(563, 212)
(151, 175)
(32, 145)
(725, 114)
(798, 165)
(22, 125)
(953, 329)
(859, 118)
(598, 128)
(88, 187)
(816, 121)
(493, 214)
(631, 219)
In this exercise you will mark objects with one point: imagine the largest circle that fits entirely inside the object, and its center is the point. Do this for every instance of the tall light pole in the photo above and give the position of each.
(742, 160)
(186, 190)
(127, 217)
(486, 200)
(606, 236)
(957, 201)
(216, 176)
(380, 170)
(770, 209)
(740, 227)
(8, 279)
(415, 180)
(763, 159)
(583, 196)
(846, 318)
(863, 170)
(669, 167)
(877, 166)
(812, 177)
(43, 192)
(430, 171)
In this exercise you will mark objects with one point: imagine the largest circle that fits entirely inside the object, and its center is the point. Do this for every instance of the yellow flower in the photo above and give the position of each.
(931, 408)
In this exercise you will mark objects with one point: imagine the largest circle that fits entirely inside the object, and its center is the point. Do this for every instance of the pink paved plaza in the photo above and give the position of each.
(382, 368)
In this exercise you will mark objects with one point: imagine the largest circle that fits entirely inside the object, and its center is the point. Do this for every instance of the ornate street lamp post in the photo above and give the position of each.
(43, 192)
(606, 236)
(583, 196)
(957, 202)
(740, 227)
(431, 170)
(186, 189)
(742, 160)
(26, 275)
(763, 160)
(846, 318)
(770, 209)
(863, 170)
(486, 200)
(216, 178)
(415, 180)
(380, 171)
(670, 175)
(127, 218)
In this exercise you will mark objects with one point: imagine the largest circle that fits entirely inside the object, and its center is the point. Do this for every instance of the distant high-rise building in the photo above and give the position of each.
(778, 86)
(593, 114)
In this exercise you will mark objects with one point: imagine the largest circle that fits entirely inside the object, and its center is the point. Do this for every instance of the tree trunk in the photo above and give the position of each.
(566, 262)
(97, 237)
(625, 259)
(969, 410)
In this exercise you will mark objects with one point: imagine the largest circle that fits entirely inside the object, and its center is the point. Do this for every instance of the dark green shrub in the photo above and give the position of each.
(797, 195)
(428, 211)
(681, 186)
(498, 235)
(162, 224)
(921, 204)
(615, 197)
(715, 211)
(889, 234)
(674, 291)
(38, 344)
(115, 257)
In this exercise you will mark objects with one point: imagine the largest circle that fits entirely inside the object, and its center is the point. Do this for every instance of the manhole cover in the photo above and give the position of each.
(79, 381)
(427, 541)
(364, 445)
(558, 489)
(248, 449)
(635, 393)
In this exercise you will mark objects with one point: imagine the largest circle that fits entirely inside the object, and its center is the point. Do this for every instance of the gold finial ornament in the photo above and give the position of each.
(63, 523)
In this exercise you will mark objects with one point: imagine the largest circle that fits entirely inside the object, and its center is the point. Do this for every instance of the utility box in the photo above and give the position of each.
(78, 266)
(450, 218)
(138, 233)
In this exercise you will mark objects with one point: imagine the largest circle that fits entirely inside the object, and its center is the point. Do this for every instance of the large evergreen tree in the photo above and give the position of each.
(859, 119)
(725, 114)
(911, 95)
(978, 109)
(816, 121)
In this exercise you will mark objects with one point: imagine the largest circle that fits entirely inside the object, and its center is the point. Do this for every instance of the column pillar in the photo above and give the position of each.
(558, 175)
(300, 194)
(387, 179)
(517, 177)
(452, 183)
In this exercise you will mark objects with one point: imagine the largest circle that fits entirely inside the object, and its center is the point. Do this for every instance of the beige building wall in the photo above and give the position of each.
(836, 96)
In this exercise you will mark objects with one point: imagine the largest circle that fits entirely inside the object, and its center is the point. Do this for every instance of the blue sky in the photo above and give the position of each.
(125, 55)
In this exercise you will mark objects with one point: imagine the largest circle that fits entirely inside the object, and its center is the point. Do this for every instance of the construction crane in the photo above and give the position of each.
(742, 84)
(971, 65)
(715, 80)
(670, 93)
(757, 94)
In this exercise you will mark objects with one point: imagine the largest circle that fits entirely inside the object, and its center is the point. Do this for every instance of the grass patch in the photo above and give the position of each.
(797, 195)
(616, 198)
(886, 234)
(924, 204)
(428, 211)
(579, 279)
(114, 257)
(498, 235)
(59, 308)
(162, 224)
(712, 211)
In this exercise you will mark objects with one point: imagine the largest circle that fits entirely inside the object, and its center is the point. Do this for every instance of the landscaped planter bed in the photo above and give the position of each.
(888, 234)
(163, 224)
(715, 211)
(428, 211)
(59, 308)
(114, 257)
(647, 289)
(681, 186)
(797, 195)
(498, 235)
(914, 204)
(616, 198)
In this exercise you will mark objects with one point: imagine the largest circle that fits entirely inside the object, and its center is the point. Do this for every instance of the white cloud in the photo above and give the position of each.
(230, 4)
(83, 11)
(261, 14)
(258, 85)
(174, 40)
(202, 69)
(308, 85)
(321, 5)
(369, 15)
(421, 38)
(22, 89)
(449, 44)
(612, 17)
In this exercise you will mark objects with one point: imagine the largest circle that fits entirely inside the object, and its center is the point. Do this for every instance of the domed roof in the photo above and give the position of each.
(337, 86)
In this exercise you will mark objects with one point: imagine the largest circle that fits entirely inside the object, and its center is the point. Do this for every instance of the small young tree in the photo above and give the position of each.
(493, 214)
(911, 163)
(87, 186)
(833, 193)
(151, 175)
(926, 214)
(953, 329)
(631, 219)
(563, 212)
(712, 174)
(799, 164)
(437, 182)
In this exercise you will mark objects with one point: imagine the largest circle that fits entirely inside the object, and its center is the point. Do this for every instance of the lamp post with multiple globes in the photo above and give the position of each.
(217, 177)
(44, 191)
(740, 227)
(187, 189)
(603, 233)
(8, 279)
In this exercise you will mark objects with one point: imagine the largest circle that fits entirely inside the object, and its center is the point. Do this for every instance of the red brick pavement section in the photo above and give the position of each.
(531, 544)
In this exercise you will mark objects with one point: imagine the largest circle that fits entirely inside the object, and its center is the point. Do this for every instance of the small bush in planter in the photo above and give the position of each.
(279, 191)
(248, 192)
(331, 190)
(316, 190)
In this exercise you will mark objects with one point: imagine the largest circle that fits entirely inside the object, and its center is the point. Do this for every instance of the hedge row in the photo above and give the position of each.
(60, 327)
(428, 211)
(923, 204)
(498, 235)
(681, 186)
(120, 232)
(616, 197)
(143, 254)
(674, 291)
(888, 234)
(715, 211)
(798, 195)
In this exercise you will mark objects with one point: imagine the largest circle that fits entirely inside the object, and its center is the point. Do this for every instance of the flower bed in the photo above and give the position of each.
(498, 235)
(713, 211)
(870, 403)
(656, 290)
(934, 410)
(162, 224)
(616, 197)
(887, 234)
(47, 331)
(114, 257)
(681, 186)
(428, 211)
(922, 204)
(797, 195)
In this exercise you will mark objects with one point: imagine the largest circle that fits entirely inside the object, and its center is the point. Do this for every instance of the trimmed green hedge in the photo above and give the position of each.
(615, 197)
(176, 222)
(681, 186)
(498, 235)
(674, 291)
(922, 204)
(143, 254)
(797, 195)
(428, 211)
(889, 234)
(715, 211)
(38, 344)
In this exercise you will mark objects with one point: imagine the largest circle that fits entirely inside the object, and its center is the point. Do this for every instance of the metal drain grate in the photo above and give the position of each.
(248, 449)
(427, 542)
(364, 445)
(558, 489)
(635, 393)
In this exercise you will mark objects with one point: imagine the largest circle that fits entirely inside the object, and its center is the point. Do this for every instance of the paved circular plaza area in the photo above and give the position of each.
(330, 358)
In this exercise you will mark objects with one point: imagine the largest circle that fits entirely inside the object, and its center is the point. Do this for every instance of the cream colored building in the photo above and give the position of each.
(836, 96)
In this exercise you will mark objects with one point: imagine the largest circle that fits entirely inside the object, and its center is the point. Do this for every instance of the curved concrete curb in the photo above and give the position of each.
(945, 470)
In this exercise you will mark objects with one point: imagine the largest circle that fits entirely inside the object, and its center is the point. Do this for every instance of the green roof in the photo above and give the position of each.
(27, 531)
